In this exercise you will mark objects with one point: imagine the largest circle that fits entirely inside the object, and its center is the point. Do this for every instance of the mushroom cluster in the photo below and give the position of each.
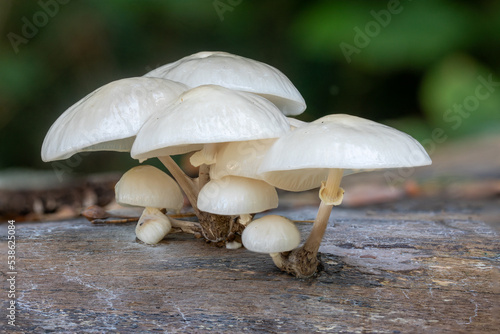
(232, 114)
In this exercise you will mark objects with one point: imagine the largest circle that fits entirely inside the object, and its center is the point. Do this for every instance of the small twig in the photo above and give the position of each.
(113, 220)
(186, 226)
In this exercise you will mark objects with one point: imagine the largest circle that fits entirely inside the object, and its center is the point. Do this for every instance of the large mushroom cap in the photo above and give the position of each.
(235, 72)
(271, 234)
(147, 186)
(108, 118)
(300, 159)
(233, 195)
(208, 114)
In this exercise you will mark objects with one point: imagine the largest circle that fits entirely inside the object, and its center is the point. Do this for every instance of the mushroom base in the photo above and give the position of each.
(219, 229)
(299, 262)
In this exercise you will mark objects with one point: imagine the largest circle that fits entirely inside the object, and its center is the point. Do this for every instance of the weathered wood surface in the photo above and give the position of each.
(411, 266)
(428, 264)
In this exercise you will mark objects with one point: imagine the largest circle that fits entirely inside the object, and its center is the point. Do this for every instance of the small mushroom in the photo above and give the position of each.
(234, 195)
(318, 154)
(271, 234)
(152, 226)
(235, 72)
(149, 187)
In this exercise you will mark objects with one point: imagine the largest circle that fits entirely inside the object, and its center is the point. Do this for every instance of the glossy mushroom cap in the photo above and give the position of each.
(233, 195)
(301, 159)
(271, 234)
(147, 186)
(205, 115)
(108, 118)
(235, 72)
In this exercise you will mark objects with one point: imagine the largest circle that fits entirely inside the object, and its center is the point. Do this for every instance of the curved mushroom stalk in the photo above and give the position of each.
(215, 228)
(303, 261)
(205, 156)
(185, 182)
(203, 159)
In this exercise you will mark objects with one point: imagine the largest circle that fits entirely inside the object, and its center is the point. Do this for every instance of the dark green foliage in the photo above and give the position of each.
(403, 61)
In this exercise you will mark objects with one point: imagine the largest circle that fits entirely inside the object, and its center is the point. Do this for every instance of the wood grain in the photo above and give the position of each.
(394, 269)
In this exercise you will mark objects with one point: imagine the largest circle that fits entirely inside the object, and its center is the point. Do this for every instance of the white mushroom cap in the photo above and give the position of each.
(208, 114)
(300, 160)
(234, 195)
(148, 186)
(108, 118)
(235, 72)
(240, 158)
(271, 234)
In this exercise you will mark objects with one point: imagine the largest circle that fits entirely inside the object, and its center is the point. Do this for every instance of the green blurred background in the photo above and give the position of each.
(406, 64)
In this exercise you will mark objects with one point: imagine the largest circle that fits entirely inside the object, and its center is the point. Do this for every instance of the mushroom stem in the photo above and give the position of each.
(184, 181)
(152, 226)
(277, 259)
(318, 230)
(245, 219)
(329, 194)
(205, 156)
(203, 175)
(303, 261)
